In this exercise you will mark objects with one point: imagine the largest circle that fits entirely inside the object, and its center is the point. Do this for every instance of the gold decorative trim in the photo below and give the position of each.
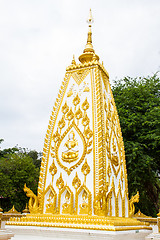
(80, 222)
(101, 130)
(80, 75)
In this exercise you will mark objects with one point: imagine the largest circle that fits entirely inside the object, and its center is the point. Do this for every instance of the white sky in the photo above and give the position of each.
(37, 41)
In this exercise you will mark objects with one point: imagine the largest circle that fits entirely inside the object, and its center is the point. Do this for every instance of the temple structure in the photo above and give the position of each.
(83, 177)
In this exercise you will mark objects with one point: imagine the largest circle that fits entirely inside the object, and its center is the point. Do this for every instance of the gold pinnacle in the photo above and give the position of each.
(90, 18)
(88, 53)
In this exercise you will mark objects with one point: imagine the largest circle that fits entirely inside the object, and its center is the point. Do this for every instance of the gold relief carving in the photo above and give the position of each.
(60, 182)
(70, 92)
(122, 175)
(48, 137)
(133, 199)
(80, 222)
(51, 200)
(70, 115)
(80, 72)
(80, 160)
(53, 170)
(113, 147)
(65, 108)
(85, 170)
(86, 88)
(119, 194)
(101, 201)
(84, 206)
(83, 203)
(85, 120)
(123, 206)
(80, 75)
(114, 155)
(67, 204)
(56, 137)
(33, 203)
(76, 183)
(61, 123)
(109, 172)
(76, 100)
(70, 155)
(49, 206)
(101, 148)
(85, 105)
(78, 114)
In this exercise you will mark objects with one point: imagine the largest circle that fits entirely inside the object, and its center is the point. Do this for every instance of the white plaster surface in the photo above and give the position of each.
(153, 236)
(42, 233)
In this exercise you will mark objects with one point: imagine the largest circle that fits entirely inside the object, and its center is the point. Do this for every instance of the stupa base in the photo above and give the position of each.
(78, 227)
(79, 222)
(49, 233)
(5, 234)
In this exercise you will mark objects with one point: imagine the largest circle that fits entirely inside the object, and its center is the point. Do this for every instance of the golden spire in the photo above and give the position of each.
(88, 52)
(89, 46)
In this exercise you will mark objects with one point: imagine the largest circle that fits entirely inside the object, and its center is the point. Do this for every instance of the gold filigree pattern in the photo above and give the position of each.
(80, 75)
(76, 183)
(76, 100)
(61, 123)
(78, 114)
(85, 170)
(65, 108)
(85, 105)
(53, 170)
(60, 182)
(70, 115)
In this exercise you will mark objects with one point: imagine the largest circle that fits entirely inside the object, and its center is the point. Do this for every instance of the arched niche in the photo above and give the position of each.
(119, 203)
(83, 201)
(50, 199)
(65, 201)
(113, 202)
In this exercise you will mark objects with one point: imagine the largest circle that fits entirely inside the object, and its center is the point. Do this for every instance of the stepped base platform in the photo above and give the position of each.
(79, 222)
(45, 233)
(5, 234)
(50, 226)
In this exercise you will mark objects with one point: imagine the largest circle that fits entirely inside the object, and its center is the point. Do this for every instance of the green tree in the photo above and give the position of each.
(16, 169)
(138, 105)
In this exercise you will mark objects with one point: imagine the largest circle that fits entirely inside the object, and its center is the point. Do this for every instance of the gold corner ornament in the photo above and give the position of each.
(33, 203)
(133, 200)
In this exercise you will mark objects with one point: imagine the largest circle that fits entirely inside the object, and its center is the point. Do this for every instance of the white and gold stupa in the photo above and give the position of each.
(83, 177)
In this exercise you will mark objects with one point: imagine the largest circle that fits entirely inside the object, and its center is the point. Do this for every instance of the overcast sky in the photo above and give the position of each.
(37, 41)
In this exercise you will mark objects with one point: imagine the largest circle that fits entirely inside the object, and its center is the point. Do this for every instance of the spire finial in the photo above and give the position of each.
(89, 47)
(90, 18)
(88, 52)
